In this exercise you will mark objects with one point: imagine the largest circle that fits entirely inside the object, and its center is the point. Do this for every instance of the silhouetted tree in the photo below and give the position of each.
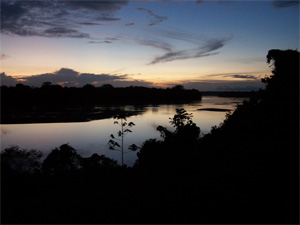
(113, 142)
(88, 86)
(46, 84)
(20, 160)
(62, 161)
(185, 129)
(107, 86)
(256, 149)
(98, 163)
(178, 87)
(22, 87)
(174, 150)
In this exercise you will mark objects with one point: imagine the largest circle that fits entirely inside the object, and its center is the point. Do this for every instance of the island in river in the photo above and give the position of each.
(54, 103)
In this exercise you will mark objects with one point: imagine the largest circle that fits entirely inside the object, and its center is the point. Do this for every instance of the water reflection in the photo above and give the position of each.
(4, 131)
(92, 137)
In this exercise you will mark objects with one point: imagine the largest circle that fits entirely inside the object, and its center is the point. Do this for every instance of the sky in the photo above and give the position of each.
(206, 45)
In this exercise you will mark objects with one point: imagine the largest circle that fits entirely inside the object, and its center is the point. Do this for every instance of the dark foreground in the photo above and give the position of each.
(244, 171)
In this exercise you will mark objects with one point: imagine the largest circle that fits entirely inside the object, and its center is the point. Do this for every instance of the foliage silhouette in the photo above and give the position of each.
(168, 154)
(20, 161)
(257, 147)
(124, 126)
(62, 161)
(185, 129)
(98, 162)
(248, 165)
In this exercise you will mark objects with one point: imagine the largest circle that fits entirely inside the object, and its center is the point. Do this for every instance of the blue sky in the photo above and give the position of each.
(207, 45)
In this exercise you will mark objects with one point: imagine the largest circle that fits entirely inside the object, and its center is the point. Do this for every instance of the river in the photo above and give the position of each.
(92, 137)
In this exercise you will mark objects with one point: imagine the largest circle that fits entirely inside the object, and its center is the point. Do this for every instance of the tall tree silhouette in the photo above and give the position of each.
(124, 130)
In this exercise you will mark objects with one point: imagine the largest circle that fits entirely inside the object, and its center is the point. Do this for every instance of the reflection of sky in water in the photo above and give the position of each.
(92, 137)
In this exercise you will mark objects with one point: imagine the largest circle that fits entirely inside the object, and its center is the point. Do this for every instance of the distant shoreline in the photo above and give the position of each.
(62, 116)
(230, 93)
(55, 104)
(215, 110)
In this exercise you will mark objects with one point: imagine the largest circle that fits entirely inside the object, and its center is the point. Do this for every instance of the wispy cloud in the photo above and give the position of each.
(238, 76)
(279, 4)
(97, 5)
(155, 44)
(199, 2)
(90, 24)
(129, 24)
(100, 42)
(198, 52)
(176, 34)
(63, 32)
(108, 19)
(107, 40)
(207, 85)
(3, 56)
(154, 18)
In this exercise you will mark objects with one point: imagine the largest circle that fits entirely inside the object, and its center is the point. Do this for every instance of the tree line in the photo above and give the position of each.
(50, 94)
(54, 103)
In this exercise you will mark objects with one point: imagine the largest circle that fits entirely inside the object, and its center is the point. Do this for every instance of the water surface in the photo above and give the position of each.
(92, 137)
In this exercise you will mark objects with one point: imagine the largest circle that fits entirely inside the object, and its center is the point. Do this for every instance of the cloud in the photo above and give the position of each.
(279, 4)
(193, 45)
(127, 83)
(7, 80)
(63, 32)
(202, 51)
(100, 42)
(107, 18)
(107, 40)
(235, 76)
(55, 18)
(99, 6)
(220, 85)
(154, 19)
(90, 24)
(199, 2)
(178, 35)
(111, 39)
(242, 76)
(129, 24)
(69, 77)
(3, 56)
(156, 44)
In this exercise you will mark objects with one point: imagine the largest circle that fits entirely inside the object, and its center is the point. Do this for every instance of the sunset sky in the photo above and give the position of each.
(207, 45)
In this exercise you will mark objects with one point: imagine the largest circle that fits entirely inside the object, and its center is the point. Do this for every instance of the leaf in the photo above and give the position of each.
(116, 122)
(133, 147)
(131, 124)
(112, 136)
(127, 130)
(119, 133)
